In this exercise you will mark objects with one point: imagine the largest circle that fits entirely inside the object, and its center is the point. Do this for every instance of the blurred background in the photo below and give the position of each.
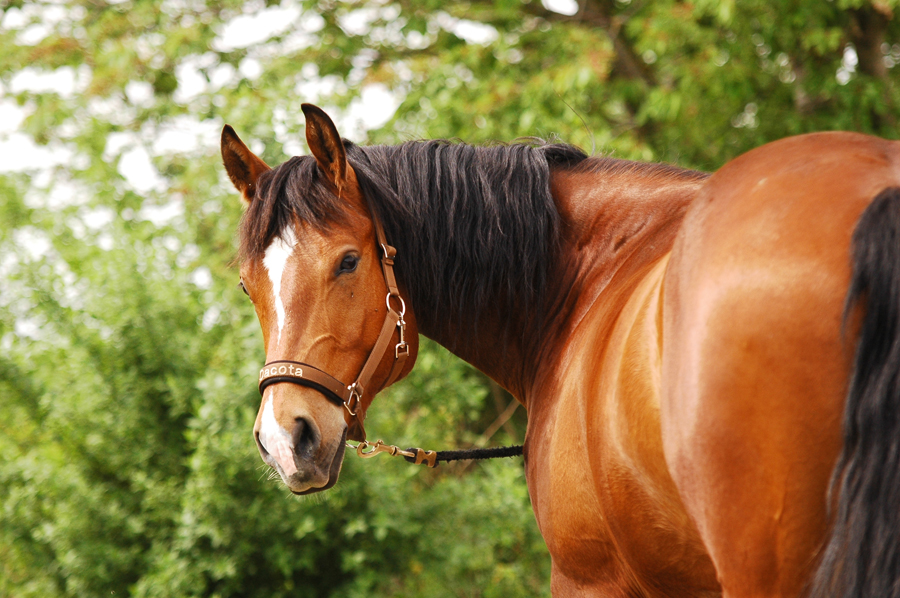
(128, 356)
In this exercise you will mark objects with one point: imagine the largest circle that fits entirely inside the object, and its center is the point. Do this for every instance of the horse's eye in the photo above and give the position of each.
(243, 288)
(348, 264)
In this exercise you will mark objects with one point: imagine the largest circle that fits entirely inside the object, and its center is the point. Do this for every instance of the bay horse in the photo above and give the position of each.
(709, 363)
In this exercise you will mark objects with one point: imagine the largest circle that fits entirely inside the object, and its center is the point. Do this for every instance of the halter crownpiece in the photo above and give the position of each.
(350, 396)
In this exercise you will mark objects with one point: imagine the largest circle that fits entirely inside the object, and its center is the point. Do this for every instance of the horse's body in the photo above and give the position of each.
(684, 364)
(706, 379)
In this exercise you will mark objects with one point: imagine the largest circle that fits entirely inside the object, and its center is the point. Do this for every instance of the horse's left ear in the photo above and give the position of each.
(242, 165)
(326, 145)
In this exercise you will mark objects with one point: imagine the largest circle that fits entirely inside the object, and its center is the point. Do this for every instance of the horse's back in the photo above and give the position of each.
(755, 368)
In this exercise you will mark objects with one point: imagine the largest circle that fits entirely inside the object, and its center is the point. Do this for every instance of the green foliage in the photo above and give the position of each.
(128, 356)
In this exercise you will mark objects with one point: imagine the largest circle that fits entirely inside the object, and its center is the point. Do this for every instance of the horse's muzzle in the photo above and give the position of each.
(303, 462)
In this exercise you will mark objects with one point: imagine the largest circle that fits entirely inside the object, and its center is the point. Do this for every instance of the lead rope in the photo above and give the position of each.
(432, 458)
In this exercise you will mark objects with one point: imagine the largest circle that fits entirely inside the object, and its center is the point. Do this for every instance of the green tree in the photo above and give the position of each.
(127, 355)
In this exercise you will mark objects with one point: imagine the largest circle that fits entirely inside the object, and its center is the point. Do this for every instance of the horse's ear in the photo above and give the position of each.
(326, 145)
(242, 165)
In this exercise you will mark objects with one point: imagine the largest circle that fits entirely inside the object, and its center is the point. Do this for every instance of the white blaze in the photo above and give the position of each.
(272, 436)
(275, 439)
(275, 260)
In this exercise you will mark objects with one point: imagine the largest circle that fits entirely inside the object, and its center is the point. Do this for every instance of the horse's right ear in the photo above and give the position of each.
(242, 165)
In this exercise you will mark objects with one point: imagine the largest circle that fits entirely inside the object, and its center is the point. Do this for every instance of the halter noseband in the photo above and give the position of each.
(350, 396)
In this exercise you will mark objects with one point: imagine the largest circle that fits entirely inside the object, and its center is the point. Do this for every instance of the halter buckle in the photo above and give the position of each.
(389, 253)
(352, 403)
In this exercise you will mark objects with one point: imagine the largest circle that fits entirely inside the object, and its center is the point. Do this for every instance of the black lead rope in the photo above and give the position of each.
(366, 449)
(473, 454)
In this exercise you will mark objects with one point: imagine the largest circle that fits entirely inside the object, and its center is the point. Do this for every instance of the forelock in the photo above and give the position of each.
(290, 194)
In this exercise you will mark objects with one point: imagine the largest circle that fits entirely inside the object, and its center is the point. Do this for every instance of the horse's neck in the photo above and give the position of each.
(616, 226)
(613, 225)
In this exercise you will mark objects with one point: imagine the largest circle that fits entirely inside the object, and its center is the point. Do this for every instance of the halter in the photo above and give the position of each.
(350, 395)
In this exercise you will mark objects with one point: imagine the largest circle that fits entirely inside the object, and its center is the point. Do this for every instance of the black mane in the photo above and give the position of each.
(472, 225)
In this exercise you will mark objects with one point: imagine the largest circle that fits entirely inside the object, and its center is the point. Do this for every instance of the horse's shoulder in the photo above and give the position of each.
(603, 408)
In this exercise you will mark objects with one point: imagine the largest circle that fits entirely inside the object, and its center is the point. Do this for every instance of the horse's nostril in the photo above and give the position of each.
(304, 437)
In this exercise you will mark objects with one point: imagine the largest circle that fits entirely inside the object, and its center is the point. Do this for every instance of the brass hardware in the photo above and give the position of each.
(428, 458)
(421, 456)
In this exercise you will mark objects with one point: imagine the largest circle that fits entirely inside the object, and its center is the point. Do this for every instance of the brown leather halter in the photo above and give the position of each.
(350, 395)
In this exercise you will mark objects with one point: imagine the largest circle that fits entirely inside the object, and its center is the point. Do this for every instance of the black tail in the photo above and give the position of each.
(862, 558)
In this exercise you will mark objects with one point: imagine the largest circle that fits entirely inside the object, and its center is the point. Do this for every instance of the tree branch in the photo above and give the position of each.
(601, 15)
(867, 32)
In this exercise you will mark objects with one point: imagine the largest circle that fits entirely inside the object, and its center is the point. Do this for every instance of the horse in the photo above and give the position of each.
(709, 362)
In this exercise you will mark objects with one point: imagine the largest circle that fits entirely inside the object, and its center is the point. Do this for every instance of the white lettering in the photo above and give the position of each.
(268, 372)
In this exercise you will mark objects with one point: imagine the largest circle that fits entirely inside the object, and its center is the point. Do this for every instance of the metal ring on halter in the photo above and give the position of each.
(387, 301)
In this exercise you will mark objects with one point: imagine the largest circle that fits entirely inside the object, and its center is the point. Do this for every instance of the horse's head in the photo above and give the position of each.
(316, 276)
